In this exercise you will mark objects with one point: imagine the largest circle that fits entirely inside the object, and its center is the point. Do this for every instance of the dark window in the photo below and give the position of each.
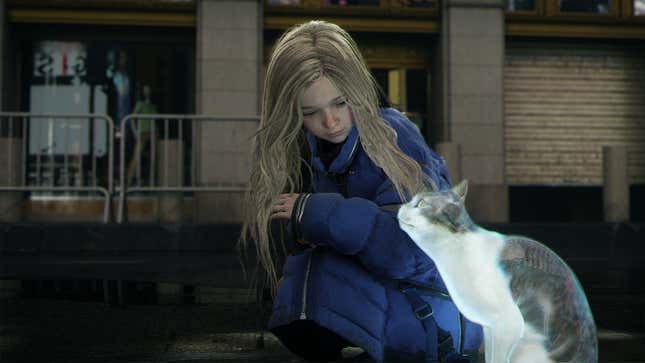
(283, 2)
(417, 96)
(353, 2)
(521, 5)
(95, 72)
(108, 77)
(586, 6)
(382, 80)
(416, 93)
(421, 3)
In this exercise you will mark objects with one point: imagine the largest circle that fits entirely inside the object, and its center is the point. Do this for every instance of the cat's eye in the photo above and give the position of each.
(422, 203)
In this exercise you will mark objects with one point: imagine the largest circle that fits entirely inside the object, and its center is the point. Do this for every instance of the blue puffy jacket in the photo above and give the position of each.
(347, 283)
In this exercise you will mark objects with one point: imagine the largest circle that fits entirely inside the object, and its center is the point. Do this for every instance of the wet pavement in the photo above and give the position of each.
(50, 330)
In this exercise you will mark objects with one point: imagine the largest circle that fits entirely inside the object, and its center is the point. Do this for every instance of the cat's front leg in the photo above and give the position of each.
(506, 332)
(488, 343)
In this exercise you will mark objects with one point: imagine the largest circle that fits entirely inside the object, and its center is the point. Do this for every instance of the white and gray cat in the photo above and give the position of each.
(528, 301)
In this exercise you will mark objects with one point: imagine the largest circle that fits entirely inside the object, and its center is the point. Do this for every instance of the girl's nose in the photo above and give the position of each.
(330, 118)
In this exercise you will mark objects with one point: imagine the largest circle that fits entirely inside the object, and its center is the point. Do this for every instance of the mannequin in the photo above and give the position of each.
(141, 128)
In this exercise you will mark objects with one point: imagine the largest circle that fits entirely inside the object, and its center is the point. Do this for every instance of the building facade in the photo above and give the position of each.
(540, 104)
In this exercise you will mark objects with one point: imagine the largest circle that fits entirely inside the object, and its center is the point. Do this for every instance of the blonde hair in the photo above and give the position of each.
(302, 55)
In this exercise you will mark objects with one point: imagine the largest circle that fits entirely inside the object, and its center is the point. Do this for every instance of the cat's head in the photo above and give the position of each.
(433, 214)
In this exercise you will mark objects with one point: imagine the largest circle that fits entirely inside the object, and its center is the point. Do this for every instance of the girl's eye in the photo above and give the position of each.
(341, 103)
(308, 114)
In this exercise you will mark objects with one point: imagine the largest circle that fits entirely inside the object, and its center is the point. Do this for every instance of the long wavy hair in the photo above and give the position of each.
(302, 55)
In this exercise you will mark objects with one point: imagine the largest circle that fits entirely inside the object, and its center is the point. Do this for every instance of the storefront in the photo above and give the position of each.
(80, 58)
(530, 90)
(564, 101)
(573, 83)
(99, 70)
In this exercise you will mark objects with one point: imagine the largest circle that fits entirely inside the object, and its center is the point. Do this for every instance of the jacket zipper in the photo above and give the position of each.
(351, 153)
(340, 179)
(301, 208)
(430, 290)
(461, 333)
(303, 313)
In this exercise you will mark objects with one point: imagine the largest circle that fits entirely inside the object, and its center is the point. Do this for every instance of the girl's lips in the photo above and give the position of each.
(336, 133)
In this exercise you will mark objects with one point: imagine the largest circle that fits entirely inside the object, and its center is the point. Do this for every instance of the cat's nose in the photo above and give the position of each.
(402, 215)
(401, 212)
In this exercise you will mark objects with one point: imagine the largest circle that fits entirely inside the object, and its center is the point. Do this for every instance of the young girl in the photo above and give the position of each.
(334, 164)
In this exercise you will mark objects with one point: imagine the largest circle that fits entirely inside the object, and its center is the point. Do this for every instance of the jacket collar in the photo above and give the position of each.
(344, 158)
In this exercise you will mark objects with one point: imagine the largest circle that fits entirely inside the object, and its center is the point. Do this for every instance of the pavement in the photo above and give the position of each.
(58, 330)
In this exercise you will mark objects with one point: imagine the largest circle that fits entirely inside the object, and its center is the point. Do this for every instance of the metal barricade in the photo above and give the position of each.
(162, 139)
(58, 153)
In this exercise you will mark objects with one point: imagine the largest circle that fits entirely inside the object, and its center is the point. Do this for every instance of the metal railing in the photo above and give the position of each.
(54, 150)
(163, 138)
(158, 153)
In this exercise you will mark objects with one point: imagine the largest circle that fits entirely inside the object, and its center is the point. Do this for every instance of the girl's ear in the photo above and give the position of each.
(461, 189)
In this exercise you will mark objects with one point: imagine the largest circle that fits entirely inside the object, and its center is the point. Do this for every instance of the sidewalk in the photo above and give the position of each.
(56, 331)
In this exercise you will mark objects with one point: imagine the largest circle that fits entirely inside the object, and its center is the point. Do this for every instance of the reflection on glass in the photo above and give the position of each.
(586, 6)
(353, 2)
(521, 5)
(283, 2)
(59, 84)
(639, 7)
(421, 3)
(103, 77)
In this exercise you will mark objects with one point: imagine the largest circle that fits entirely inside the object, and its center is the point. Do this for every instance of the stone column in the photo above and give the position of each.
(10, 145)
(229, 65)
(616, 184)
(3, 55)
(451, 153)
(470, 106)
(11, 203)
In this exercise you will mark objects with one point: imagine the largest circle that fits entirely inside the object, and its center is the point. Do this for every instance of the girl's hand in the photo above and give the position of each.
(283, 206)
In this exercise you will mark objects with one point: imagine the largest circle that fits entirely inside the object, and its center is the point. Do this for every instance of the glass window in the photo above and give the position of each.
(416, 84)
(421, 3)
(100, 77)
(521, 5)
(586, 6)
(353, 2)
(59, 84)
(414, 103)
(283, 2)
(639, 7)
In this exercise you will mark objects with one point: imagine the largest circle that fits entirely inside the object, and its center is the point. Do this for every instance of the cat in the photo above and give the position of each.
(528, 301)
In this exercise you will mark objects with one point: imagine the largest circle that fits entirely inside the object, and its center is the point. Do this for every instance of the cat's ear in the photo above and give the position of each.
(461, 190)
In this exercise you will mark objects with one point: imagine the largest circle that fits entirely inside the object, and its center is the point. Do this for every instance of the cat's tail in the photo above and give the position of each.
(532, 348)
(577, 349)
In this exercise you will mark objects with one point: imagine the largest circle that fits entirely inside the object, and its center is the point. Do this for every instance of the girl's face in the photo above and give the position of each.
(325, 111)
